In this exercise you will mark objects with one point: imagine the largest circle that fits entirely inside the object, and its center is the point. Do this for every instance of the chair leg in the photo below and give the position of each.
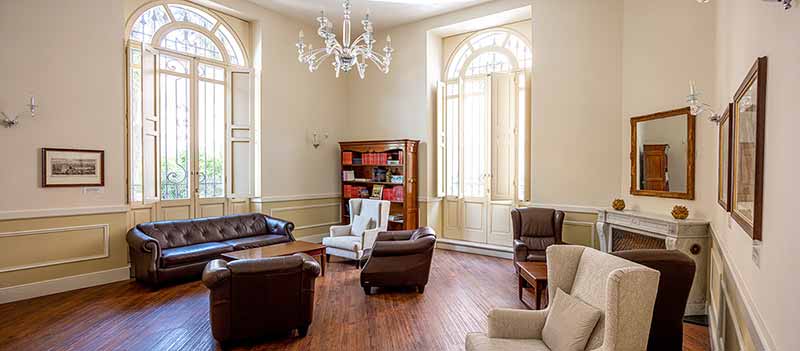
(302, 331)
(328, 258)
(421, 289)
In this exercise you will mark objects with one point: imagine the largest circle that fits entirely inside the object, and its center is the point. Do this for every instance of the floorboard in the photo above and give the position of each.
(126, 316)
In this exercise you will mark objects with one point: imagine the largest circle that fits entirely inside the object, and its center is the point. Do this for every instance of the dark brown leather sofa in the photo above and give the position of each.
(400, 258)
(677, 273)
(265, 296)
(534, 230)
(169, 250)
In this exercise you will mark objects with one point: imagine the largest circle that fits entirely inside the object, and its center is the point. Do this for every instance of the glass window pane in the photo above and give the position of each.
(174, 93)
(174, 64)
(135, 114)
(486, 63)
(211, 138)
(184, 13)
(191, 42)
(231, 45)
(211, 72)
(148, 24)
(475, 135)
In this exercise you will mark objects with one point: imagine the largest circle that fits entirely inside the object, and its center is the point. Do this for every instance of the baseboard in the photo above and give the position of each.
(314, 238)
(475, 248)
(58, 285)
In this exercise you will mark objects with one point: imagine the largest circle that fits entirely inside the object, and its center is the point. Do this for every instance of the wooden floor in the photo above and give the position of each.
(125, 316)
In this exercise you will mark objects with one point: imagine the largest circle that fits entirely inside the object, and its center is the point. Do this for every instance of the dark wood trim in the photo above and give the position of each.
(728, 193)
(690, 121)
(757, 73)
(44, 152)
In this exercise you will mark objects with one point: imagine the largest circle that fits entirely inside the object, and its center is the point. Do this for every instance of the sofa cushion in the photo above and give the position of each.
(256, 241)
(193, 253)
(481, 342)
(202, 230)
(349, 243)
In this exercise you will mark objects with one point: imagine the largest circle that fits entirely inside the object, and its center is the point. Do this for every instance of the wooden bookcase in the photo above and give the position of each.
(370, 163)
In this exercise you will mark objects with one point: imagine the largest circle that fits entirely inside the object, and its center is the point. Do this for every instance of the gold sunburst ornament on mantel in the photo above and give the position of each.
(680, 212)
(618, 204)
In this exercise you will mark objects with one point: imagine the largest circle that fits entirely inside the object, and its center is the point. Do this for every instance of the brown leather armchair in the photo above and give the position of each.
(400, 258)
(677, 274)
(534, 230)
(257, 297)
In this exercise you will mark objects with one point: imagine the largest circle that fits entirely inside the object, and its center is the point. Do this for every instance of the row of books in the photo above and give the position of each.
(379, 192)
(354, 191)
(394, 193)
(372, 158)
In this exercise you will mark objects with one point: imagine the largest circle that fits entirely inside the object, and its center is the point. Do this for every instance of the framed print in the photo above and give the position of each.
(72, 167)
(725, 156)
(749, 113)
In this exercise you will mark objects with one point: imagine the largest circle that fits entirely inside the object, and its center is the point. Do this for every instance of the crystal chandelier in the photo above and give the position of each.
(347, 54)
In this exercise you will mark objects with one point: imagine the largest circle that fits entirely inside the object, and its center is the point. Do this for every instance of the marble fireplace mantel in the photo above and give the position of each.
(691, 236)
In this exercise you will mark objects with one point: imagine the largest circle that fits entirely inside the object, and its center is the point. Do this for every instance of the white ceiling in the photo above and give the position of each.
(383, 13)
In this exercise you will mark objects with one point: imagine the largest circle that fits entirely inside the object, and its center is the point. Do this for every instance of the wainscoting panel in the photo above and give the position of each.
(579, 229)
(57, 249)
(312, 217)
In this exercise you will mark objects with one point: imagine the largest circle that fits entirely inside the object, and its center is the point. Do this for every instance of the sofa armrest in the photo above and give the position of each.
(402, 248)
(340, 230)
(215, 273)
(141, 242)
(144, 255)
(310, 265)
(395, 235)
(280, 227)
(520, 251)
(516, 324)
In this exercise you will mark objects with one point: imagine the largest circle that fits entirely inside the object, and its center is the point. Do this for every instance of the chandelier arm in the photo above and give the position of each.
(378, 60)
(319, 61)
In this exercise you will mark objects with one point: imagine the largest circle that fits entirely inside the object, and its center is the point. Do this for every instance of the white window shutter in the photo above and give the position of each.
(524, 135)
(150, 125)
(441, 140)
(503, 137)
(240, 135)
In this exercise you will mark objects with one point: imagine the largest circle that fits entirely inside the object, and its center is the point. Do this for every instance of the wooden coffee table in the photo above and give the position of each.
(535, 274)
(283, 249)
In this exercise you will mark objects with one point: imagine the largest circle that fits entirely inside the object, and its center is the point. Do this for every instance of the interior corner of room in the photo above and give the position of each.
(642, 125)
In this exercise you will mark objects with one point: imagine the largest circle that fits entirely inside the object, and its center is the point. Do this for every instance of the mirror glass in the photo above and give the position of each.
(663, 153)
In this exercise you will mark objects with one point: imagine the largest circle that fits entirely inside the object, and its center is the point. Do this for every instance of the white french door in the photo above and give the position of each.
(192, 99)
(484, 130)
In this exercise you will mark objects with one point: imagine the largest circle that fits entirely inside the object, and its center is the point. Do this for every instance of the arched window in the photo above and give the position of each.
(189, 112)
(483, 134)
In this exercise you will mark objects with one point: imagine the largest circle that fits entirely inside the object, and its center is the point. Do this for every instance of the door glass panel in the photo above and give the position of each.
(475, 148)
(211, 138)
(452, 140)
(135, 110)
(175, 155)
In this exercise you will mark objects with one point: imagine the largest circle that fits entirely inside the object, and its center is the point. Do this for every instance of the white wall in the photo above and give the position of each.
(71, 58)
(746, 30)
(573, 78)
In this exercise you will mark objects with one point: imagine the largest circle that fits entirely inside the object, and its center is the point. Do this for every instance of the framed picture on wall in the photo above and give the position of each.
(749, 114)
(725, 156)
(72, 167)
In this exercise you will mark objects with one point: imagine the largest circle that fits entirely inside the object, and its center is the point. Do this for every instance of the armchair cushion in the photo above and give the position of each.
(350, 243)
(193, 253)
(516, 324)
(482, 342)
(360, 224)
(340, 230)
(569, 323)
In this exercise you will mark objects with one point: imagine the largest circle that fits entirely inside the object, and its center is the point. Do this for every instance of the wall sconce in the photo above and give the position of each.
(317, 138)
(698, 107)
(8, 122)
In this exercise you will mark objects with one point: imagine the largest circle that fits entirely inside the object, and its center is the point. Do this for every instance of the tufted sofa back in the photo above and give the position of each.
(195, 231)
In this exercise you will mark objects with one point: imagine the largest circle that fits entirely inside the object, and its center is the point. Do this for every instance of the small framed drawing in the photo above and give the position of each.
(725, 156)
(749, 114)
(72, 168)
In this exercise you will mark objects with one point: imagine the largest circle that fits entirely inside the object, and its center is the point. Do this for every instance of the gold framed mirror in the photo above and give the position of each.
(662, 154)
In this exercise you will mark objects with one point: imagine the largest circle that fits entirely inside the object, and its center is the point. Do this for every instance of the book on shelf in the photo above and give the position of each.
(348, 175)
(398, 193)
(377, 192)
(347, 157)
(397, 179)
(388, 194)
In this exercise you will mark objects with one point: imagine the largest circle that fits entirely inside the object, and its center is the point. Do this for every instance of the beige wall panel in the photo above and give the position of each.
(310, 217)
(69, 244)
(53, 245)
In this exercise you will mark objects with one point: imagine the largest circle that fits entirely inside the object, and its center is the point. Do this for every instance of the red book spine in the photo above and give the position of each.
(347, 158)
(398, 193)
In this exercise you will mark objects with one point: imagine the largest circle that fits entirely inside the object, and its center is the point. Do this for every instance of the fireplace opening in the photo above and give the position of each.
(622, 240)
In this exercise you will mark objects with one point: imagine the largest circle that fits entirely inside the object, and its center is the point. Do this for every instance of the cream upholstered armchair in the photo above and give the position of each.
(623, 291)
(349, 241)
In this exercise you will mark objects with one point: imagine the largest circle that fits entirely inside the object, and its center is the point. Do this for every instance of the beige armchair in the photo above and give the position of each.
(624, 291)
(344, 242)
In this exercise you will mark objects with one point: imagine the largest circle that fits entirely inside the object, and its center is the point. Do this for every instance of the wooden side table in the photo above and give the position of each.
(535, 274)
